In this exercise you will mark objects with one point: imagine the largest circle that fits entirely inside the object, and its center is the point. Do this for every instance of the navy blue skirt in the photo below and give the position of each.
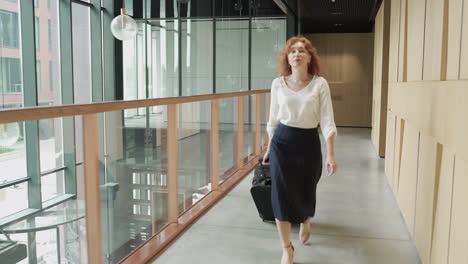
(295, 167)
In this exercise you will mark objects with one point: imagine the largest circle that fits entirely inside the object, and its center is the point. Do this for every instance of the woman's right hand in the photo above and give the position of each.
(266, 158)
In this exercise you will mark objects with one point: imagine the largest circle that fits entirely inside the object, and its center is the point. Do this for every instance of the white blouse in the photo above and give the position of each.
(305, 108)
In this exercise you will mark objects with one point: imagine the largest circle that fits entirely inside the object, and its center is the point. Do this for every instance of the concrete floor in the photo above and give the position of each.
(357, 220)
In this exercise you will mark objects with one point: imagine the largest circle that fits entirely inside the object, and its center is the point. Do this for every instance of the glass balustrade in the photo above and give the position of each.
(43, 170)
(227, 137)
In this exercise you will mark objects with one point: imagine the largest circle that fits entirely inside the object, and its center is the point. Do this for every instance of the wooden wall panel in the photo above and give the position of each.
(437, 109)
(402, 39)
(394, 42)
(377, 81)
(399, 136)
(464, 44)
(415, 34)
(443, 194)
(347, 65)
(454, 37)
(408, 174)
(390, 148)
(425, 195)
(433, 39)
(378, 45)
(376, 107)
(458, 252)
(427, 45)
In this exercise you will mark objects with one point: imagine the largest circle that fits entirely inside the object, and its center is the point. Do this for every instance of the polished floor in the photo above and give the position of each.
(357, 221)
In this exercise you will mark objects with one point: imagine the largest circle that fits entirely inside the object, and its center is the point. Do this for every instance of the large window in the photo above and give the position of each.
(81, 53)
(38, 76)
(179, 50)
(37, 34)
(9, 29)
(268, 38)
(197, 42)
(10, 82)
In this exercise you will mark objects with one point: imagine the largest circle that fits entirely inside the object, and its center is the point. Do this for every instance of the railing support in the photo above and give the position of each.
(239, 133)
(267, 112)
(91, 184)
(172, 158)
(214, 145)
(257, 134)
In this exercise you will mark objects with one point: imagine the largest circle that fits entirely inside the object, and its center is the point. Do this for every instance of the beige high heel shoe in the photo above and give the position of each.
(289, 248)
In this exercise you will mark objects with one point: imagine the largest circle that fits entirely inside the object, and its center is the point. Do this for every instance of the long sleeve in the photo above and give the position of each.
(327, 120)
(273, 120)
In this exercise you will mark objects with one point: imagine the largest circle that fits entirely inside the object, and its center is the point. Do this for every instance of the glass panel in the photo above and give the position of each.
(81, 54)
(199, 8)
(164, 56)
(159, 8)
(268, 39)
(249, 119)
(51, 143)
(233, 8)
(11, 91)
(48, 57)
(79, 138)
(232, 41)
(197, 57)
(12, 152)
(130, 70)
(81, 67)
(38, 77)
(52, 185)
(37, 33)
(227, 137)
(193, 165)
(13, 199)
(134, 174)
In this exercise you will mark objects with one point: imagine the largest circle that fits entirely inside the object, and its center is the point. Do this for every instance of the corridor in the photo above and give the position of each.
(357, 220)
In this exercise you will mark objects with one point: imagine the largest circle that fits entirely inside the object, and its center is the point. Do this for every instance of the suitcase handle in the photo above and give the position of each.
(260, 161)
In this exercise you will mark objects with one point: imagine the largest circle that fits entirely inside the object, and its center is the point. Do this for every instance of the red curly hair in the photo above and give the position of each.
(283, 67)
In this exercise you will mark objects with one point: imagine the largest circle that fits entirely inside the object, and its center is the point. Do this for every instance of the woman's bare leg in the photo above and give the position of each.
(304, 231)
(284, 230)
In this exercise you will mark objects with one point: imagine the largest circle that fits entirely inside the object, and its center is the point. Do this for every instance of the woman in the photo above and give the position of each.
(300, 100)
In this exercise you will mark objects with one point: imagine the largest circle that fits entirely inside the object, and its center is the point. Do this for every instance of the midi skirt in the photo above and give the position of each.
(295, 168)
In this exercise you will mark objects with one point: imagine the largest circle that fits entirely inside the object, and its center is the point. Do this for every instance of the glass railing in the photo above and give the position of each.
(149, 169)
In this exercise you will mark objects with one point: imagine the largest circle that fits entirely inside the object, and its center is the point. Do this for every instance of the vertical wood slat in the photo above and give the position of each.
(214, 144)
(405, 48)
(240, 132)
(172, 155)
(258, 124)
(445, 29)
(91, 183)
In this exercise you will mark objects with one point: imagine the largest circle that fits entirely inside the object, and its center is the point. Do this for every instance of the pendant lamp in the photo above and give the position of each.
(123, 27)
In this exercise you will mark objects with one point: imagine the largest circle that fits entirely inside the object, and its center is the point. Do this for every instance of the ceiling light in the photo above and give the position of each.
(123, 27)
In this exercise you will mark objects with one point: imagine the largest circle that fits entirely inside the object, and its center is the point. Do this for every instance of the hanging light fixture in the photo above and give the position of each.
(123, 27)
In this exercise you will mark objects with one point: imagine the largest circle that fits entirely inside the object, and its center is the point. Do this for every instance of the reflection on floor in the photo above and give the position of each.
(357, 221)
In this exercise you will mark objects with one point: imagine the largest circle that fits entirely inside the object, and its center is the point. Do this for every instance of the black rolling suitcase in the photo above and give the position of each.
(261, 191)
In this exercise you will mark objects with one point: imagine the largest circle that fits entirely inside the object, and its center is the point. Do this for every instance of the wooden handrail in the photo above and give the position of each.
(46, 112)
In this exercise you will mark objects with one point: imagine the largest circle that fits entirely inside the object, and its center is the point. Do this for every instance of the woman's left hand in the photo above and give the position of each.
(331, 165)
